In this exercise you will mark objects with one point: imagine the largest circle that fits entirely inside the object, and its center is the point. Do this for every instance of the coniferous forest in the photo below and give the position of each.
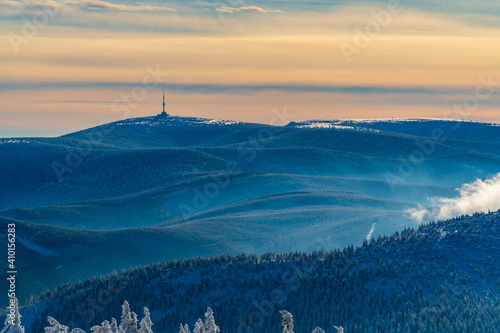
(441, 277)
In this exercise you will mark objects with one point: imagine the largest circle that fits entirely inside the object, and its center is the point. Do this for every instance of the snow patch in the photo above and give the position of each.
(332, 125)
(442, 232)
(14, 141)
(176, 121)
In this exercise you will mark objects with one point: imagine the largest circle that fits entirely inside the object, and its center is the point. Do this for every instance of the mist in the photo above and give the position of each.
(478, 196)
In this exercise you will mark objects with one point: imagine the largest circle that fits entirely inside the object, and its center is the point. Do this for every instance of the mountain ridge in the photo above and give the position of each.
(185, 188)
(415, 276)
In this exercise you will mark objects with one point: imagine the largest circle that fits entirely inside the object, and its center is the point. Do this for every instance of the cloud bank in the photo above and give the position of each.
(99, 4)
(83, 4)
(247, 9)
(478, 196)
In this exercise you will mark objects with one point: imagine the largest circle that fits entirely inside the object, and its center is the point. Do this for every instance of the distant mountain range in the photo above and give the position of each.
(141, 190)
(441, 277)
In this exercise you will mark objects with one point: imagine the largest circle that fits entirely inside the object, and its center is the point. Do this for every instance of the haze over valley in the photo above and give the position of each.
(143, 190)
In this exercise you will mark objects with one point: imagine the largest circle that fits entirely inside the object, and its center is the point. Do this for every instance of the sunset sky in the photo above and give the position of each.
(69, 65)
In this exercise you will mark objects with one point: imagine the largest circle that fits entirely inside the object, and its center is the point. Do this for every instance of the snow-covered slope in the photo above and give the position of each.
(169, 132)
(174, 121)
(181, 187)
(441, 277)
(424, 127)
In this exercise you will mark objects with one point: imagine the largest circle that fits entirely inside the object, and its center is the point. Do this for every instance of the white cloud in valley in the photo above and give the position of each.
(478, 196)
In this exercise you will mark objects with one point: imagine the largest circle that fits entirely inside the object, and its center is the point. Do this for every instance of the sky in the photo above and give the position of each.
(67, 65)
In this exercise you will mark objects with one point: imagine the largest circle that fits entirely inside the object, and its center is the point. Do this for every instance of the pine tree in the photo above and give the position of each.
(146, 322)
(210, 326)
(128, 320)
(106, 327)
(184, 329)
(126, 317)
(287, 322)
(318, 329)
(339, 329)
(114, 326)
(199, 327)
(133, 324)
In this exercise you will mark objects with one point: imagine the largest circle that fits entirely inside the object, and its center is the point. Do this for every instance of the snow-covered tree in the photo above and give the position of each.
(146, 322)
(210, 326)
(318, 329)
(133, 324)
(287, 322)
(199, 327)
(13, 320)
(77, 330)
(339, 329)
(128, 320)
(104, 328)
(184, 329)
(114, 326)
(126, 316)
(55, 326)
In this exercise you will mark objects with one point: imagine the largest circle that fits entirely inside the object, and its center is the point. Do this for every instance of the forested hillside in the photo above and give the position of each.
(141, 190)
(441, 277)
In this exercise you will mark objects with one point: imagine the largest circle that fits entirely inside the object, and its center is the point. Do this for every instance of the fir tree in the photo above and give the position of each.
(133, 323)
(146, 322)
(184, 329)
(287, 322)
(114, 326)
(199, 327)
(128, 320)
(318, 329)
(210, 326)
